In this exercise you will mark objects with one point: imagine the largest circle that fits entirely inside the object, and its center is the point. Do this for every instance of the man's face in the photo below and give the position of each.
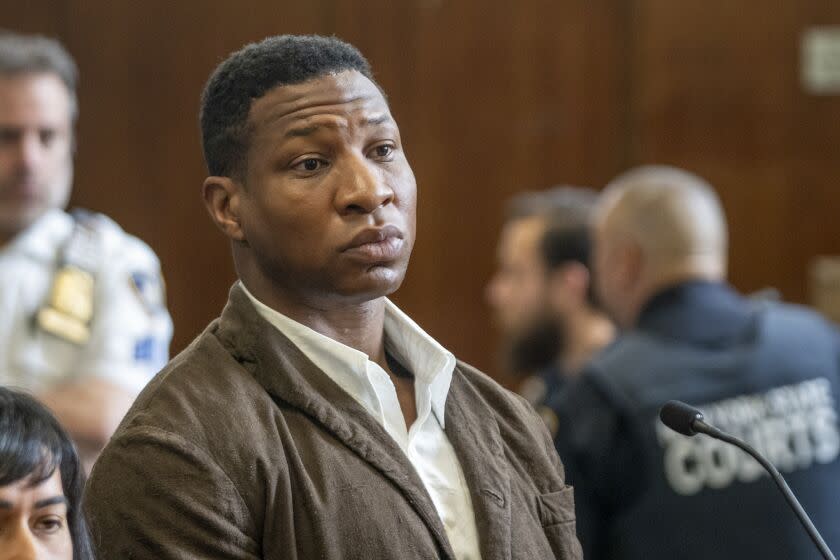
(33, 521)
(36, 164)
(327, 205)
(517, 292)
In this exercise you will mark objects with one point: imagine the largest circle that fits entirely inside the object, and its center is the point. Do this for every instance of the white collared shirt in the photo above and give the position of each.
(424, 443)
(129, 332)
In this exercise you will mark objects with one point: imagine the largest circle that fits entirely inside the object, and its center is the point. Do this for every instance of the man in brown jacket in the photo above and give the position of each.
(314, 419)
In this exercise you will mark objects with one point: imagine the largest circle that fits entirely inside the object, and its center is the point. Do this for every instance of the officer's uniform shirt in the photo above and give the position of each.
(765, 372)
(129, 330)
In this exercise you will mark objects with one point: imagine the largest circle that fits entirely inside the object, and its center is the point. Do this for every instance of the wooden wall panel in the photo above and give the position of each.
(715, 88)
(816, 169)
(44, 17)
(492, 97)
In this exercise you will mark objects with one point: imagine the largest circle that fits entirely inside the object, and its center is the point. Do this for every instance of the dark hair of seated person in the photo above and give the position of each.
(32, 446)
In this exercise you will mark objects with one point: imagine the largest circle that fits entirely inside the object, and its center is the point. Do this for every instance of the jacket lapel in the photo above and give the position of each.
(289, 376)
(475, 436)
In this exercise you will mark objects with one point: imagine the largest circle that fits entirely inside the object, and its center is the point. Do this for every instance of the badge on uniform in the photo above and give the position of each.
(69, 310)
(150, 291)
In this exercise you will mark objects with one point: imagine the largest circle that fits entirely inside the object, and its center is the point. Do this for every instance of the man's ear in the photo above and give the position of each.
(634, 260)
(222, 198)
(577, 279)
(568, 285)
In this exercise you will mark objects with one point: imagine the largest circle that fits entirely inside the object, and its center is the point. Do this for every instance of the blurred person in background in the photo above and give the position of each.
(41, 484)
(764, 371)
(83, 322)
(542, 296)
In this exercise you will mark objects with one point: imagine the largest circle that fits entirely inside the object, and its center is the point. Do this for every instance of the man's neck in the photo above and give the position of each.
(587, 334)
(359, 325)
(663, 278)
(6, 237)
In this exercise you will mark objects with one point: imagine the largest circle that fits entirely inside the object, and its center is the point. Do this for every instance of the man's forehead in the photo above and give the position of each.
(344, 93)
(528, 229)
(32, 83)
(30, 95)
(521, 236)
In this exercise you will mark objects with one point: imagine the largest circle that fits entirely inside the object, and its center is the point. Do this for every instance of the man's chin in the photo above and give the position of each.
(373, 283)
(536, 348)
(15, 220)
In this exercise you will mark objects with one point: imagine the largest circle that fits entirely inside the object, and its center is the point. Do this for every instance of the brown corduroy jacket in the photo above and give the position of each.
(242, 449)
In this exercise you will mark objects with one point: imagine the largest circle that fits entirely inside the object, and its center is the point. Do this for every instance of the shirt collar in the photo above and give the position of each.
(431, 364)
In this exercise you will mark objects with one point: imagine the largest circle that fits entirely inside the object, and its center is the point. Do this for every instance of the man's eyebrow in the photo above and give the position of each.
(51, 502)
(5, 505)
(307, 130)
(374, 121)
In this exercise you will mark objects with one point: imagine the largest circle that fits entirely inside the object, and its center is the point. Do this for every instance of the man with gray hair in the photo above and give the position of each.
(764, 371)
(83, 323)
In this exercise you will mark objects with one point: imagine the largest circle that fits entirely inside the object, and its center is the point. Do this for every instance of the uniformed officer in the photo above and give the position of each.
(83, 322)
(764, 371)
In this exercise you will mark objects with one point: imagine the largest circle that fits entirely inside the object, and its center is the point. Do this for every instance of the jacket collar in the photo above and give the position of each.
(699, 312)
(265, 352)
(430, 363)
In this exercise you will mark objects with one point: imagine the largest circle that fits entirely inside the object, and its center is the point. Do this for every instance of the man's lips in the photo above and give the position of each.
(376, 244)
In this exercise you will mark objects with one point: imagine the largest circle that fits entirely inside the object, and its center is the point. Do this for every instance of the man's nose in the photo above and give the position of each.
(29, 151)
(363, 188)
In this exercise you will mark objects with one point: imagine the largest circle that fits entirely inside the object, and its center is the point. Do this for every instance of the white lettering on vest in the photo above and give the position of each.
(794, 426)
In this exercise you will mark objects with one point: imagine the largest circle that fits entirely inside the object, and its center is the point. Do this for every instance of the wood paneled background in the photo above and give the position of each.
(492, 97)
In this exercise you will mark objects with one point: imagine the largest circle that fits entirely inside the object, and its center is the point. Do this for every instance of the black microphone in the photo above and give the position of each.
(688, 421)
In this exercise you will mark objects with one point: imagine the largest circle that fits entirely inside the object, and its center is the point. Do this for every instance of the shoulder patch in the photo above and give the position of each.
(151, 351)
(150, 290)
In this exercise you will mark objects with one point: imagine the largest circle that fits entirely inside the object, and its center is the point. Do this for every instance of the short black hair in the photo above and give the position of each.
(32, 445)
(567, 238)
(248, 74)
(561, 245)
(567, 211)
(34, 54)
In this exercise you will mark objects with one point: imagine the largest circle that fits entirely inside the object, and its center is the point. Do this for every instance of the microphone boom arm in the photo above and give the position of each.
(701, 427)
